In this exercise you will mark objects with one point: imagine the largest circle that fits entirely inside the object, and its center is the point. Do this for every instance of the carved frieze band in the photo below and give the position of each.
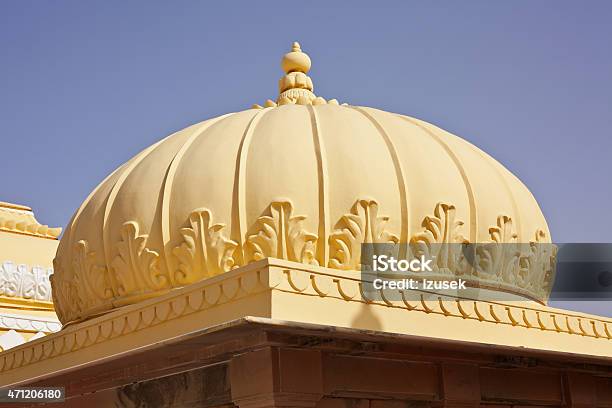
(528, 267)
(22, 281)
(205, 251)
(11, 321)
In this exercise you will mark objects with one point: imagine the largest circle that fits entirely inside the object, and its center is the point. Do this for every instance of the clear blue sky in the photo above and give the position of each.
(86, 85)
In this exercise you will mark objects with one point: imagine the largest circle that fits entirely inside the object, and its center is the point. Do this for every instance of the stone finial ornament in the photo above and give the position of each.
(295, 84)
(296, 88)
(296, 60)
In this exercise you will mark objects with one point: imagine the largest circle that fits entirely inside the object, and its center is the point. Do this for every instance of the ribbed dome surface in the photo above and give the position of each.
(304, 182)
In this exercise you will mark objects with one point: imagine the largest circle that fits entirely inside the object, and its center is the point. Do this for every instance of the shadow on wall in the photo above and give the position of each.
(366, 318)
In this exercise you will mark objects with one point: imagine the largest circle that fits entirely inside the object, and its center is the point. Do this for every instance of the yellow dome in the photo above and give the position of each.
(306, 181)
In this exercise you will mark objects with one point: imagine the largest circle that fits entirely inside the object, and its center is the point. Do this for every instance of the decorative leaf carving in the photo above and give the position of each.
(538, 265)
(281, 235)
(60, 303)
(205, 252)
(362, 225)
(28, 285)
(94, 278)
(136, 266)
(503, 232)
(42, 288)
(10, 279)
(439, 240)
(499, 259)
(66, 295)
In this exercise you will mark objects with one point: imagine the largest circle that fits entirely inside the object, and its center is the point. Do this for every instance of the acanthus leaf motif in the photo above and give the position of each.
(281, 235)
(66, 295)
(94, 278)
(10, 279)
(441, 239)
(500, 258)
(136, 267)
(204, 252)
(60, 301)
(26, 282)
(361, 225)
(29, 283)
(538, 265)
(42, 289)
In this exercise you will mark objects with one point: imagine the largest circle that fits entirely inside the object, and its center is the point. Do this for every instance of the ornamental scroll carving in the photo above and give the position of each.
(537, 268)
(204, 252)
(66, 293)
(21, 281)
(281, 235)
(361, 225)
(439, 238)
(72, 295)
(94, 278)
(502, 260)
(499, 259)
(136, 266)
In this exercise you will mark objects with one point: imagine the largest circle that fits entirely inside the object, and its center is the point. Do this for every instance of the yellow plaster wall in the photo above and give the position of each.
(32, 249)
(26, 249)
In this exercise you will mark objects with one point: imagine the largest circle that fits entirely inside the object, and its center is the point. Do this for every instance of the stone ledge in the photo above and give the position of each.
(284, 290)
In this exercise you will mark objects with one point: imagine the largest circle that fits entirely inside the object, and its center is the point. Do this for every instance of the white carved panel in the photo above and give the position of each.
(24, 282)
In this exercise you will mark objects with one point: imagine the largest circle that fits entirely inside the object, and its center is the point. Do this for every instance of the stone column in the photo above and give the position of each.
(276, 377)
(580, 390)
(460, 385)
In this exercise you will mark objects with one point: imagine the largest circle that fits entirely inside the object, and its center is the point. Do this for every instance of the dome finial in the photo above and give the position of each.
(295, 83)
(296, 60)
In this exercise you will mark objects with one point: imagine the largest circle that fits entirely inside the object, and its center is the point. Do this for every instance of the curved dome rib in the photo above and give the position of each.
(323, 184)
(238, 199)
(167, 186)
(466, 180)
(516, 213)
(401, 181)
(113, 194)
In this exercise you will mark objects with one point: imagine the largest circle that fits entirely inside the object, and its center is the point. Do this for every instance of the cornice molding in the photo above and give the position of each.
(288, 284)
(18, 322)
(20, 219)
